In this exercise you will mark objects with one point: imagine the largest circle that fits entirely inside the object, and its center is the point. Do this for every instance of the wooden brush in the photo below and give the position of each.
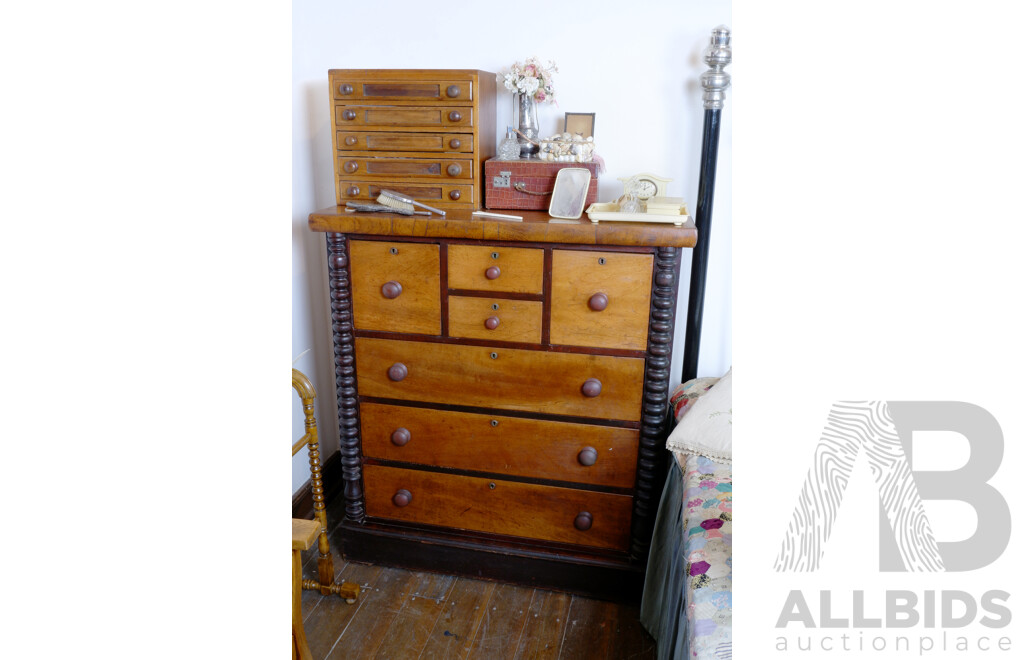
(399, 201)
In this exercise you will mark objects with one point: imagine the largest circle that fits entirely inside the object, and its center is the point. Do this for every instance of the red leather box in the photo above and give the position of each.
(515, 184)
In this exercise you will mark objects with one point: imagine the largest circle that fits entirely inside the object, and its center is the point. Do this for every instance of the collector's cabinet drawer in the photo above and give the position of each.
(559, 451)
(367, 190)
(592, 386)
(396, 287)
(405, 142)
(551, 513)
(371, 116)
(600, 299)
(428, 168)
(349, 87)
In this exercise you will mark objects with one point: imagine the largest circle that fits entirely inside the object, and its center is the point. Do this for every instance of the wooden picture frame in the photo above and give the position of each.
(579, 122)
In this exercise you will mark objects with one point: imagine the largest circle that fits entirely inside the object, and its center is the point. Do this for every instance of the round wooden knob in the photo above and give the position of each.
(591, 387)
(350, 140)
(351, 166)
(492, 273)
(348, 115)
(391, 290)
(398, 371)
(345, 89)
(454, 169)
(453, 91)
(402, 497)
(455, 115)
(587, 456)
(455, 194)
(455, 143)
(598, 302)
(352, 191)
(583, 519)
(400, 437)
(492, 322)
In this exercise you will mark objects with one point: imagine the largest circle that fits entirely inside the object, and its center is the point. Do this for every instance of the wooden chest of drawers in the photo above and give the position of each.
(502, 392)
(424, 133)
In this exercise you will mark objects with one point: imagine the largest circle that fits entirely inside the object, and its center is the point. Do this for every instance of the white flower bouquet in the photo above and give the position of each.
(531, 78)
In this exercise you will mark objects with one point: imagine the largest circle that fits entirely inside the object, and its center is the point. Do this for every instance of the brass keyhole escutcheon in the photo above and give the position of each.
(494, 306)
(393, 250)
(494, 422)
(601, 261)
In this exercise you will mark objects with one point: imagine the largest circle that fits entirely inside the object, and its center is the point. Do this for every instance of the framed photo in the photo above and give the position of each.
(579, 122)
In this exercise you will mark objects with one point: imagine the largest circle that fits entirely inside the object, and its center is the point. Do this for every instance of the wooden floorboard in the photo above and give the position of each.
(428, 616)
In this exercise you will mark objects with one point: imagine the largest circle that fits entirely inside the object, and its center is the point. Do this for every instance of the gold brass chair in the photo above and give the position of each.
(324, 583)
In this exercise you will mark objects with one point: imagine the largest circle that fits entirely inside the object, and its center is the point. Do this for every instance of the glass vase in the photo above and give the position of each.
(528, 126)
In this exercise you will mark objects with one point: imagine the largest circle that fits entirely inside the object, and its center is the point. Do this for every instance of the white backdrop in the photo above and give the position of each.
(636, 66)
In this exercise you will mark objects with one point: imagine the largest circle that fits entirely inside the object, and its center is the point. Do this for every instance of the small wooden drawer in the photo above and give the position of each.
(560, 451)
(396, 287)
(440, 192)
(423, 168)
(594, 386)
(346, 88)
(370, 116)
(600, 299)
(492, 268)
(550, 513)
(405, 142)
(495, 319)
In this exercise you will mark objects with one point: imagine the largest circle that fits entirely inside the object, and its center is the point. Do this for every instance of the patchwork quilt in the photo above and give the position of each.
(707, 546)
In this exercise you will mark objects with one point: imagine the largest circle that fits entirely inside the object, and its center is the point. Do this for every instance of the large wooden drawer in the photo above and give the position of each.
(560, 451)
(396, 287)
(371, 116)
(446, 90)
(549, 513)
(493, 268)
(600, 299)
(405, 142)
(423, 168)
(440, 192)
(504, 378)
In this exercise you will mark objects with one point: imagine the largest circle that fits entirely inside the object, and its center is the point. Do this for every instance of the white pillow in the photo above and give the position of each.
(706, 430)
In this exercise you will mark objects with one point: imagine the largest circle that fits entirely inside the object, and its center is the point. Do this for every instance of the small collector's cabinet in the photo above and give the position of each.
(423, 133)
(502, 392)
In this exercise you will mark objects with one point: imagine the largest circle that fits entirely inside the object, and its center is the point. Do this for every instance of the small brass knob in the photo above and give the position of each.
(345, 89)
(583, 520)
(352, 191)
(402, 497)
(351, 166)
(350, 140)
(455, 115)
(391, 290)
(587, 456)
(598, 302)
(492, 273)
(454, 169)
(398, 371)
(492, 322)
(455, 194)
(453, 91)
(455, 143)
(348, 115)
(591, 387)
(400, 437)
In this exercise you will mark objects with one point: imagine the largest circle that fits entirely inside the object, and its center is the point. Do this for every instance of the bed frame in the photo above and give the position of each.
(717, 55)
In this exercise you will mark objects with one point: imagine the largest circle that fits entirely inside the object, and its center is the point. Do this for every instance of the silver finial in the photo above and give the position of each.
(717, 55)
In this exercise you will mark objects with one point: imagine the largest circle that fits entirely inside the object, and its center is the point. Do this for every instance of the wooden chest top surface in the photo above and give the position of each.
(535, 227)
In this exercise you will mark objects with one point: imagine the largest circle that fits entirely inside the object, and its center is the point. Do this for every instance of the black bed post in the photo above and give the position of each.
(717, 55)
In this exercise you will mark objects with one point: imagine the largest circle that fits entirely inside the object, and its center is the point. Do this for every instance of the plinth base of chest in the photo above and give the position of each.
(607, 576)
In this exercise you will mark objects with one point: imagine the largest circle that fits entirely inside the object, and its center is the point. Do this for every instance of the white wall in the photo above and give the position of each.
(637, 65)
